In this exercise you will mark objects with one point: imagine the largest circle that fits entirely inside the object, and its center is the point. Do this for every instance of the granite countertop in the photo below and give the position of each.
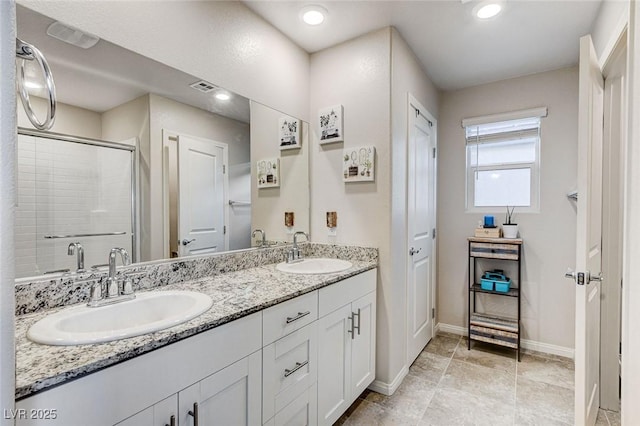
(235, 294)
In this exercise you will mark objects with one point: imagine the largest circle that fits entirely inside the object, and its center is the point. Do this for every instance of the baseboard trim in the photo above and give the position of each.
(531, 345)
(389, 388)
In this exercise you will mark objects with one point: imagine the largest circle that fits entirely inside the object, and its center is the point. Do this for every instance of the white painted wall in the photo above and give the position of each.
(70, 120)
(612, 16)
(268, 205)
(122, 124)
(548, 300)
(407, 77)
(183, 119)
(222, 42)
(7, 181)
(370, 76)
(357, 74)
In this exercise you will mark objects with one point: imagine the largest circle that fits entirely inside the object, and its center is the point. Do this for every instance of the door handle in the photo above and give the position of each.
(598, 277)
(577, 277)
(194, 413)
(413, 251)
(187, 242)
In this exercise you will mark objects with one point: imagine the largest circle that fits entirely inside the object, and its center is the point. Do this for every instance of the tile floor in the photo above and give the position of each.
(450, 385)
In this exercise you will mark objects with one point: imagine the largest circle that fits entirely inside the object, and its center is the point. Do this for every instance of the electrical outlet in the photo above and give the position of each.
(332, 232)
(289, 230)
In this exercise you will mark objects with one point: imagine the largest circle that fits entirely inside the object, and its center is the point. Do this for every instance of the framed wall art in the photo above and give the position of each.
(358, 164)
(268, 173)
(289, 133)
(330, 120)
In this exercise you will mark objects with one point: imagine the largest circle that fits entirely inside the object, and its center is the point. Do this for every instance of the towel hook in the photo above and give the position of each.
(27, 52)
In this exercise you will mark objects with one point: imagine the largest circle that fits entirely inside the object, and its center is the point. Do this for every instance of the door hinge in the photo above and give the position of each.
(224, 229)
(434, 153)
(433, 313)
(433, 233)
(224, 169)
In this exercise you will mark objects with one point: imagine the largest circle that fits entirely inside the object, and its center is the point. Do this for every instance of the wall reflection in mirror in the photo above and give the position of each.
(146, 157)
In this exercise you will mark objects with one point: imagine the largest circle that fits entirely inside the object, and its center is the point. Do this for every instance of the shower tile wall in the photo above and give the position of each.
(69, 188)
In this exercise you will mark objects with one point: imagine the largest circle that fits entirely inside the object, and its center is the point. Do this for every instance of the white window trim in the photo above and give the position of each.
(535, 177)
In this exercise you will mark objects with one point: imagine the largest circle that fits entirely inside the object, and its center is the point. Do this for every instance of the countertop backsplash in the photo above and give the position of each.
(41, 293)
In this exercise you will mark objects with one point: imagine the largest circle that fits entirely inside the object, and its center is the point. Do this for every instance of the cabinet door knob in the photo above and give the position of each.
(194, 413)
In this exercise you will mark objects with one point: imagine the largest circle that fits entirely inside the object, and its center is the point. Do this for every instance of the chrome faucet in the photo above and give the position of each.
(76, 248)
(264, 237)
(294, 254)
(101, 295)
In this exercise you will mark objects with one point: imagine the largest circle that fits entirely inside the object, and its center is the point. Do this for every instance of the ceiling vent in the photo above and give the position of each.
(203, 86)
(72, 35)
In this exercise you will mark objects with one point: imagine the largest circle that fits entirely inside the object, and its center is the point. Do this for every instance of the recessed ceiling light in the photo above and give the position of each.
(313, 14)
(223, 96)
(487, 10)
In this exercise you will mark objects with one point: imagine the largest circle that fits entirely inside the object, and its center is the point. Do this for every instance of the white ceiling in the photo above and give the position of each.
(455, 49)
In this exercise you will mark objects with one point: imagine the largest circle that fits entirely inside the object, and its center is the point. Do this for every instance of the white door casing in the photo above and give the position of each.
(589, 235)
(202, 196)
(420, 228)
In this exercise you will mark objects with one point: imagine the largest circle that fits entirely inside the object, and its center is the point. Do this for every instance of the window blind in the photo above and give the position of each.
(504, 131)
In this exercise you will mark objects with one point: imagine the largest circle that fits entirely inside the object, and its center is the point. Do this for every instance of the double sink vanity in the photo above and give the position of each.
(237, 338)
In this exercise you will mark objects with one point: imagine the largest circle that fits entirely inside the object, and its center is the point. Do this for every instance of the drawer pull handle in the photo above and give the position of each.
(297, 317)
(172, 421)
(298, 366)
(194, 414)
(354, 327)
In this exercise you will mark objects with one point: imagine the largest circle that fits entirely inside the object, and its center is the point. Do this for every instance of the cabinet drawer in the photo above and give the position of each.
(494, 250)
(303, 411)
(289, 367)
(495, 336)
(289, 316)
(339, 294)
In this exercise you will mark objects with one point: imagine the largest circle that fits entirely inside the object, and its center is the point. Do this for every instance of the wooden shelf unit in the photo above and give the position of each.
(484, 327)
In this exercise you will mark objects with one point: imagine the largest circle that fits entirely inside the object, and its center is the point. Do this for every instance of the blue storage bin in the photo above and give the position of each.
(503, 287)
(486, 284)
(495, 281)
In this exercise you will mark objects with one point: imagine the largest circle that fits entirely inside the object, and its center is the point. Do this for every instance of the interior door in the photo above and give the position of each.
(589, 235)
(420, 210)
(202, 197)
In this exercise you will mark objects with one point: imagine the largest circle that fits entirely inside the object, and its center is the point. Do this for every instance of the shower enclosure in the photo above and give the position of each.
(72, 190)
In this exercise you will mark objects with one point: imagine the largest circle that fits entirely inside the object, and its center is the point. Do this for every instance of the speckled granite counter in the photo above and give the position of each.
(235, 294)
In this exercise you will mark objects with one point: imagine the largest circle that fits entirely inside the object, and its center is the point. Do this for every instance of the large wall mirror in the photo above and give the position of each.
(146, 157)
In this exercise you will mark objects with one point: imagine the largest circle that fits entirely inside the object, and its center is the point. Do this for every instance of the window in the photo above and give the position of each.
(503, 163)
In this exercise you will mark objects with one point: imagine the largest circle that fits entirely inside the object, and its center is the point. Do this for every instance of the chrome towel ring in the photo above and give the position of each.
(27, 52)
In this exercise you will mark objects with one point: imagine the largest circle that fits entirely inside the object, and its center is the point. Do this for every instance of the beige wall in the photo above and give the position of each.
(612, 17)
(370, 76)
(122, 124)
(407, 77)
(70, 120)
(222, 42)
(548, 300)
(169, 115)
(357, 74)
(269, 204)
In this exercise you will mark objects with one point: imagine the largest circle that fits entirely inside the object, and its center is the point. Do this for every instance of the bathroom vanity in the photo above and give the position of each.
(275, 348)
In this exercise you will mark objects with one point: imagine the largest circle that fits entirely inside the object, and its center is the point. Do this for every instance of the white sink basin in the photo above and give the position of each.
(315, 266)
(147, 313)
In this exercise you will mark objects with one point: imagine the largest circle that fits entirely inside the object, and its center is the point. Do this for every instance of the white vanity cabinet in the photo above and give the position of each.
(301, 362)
(221, 367)
(229, 397)
(346, 340)
(164, 413)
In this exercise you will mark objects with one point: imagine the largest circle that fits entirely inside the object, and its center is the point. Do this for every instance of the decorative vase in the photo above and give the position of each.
(510, 230)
